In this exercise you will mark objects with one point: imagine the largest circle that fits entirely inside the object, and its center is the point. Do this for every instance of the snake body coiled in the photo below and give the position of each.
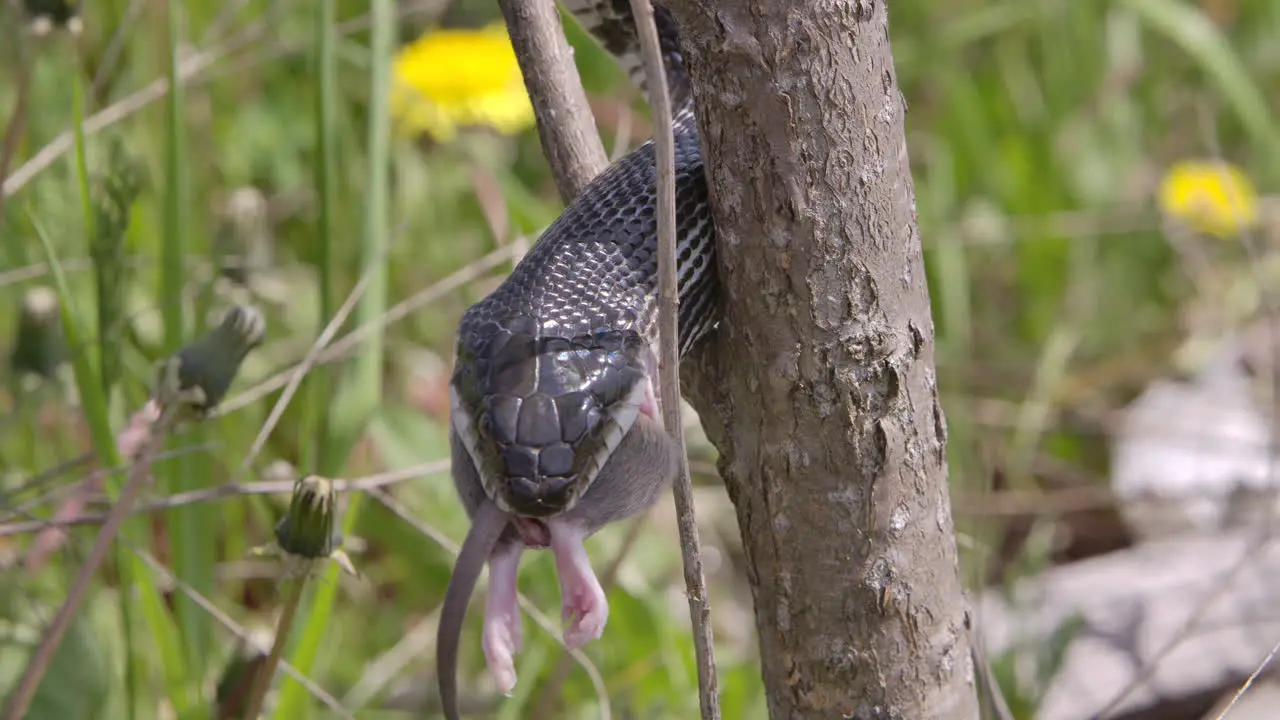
(553, 367)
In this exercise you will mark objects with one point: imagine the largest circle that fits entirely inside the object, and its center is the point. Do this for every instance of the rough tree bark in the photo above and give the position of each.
(819, 389)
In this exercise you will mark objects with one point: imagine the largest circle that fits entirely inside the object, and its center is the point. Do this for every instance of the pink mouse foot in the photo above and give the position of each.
(585, 611)
(584, 607)
(501, 643)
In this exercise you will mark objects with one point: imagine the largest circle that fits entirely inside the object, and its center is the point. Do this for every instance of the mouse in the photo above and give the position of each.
(551, 439)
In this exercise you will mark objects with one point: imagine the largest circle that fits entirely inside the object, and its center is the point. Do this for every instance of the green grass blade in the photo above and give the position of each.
(90, 370)
(359, 397)
(176, 193)
(323, 455)
(367, 376)
(190, 528)
(133, 573)
(83, 354)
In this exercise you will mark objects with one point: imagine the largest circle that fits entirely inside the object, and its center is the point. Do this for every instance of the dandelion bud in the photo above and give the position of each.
(49, 15)
(199, 375)
(243, 238)
(308, 529)
(39, 348)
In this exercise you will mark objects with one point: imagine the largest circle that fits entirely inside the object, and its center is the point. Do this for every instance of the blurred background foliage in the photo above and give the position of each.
(1040, 133)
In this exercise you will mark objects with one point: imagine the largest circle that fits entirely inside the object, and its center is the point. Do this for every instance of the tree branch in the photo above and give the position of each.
(669, 356)
(565, 124)
(819, 387)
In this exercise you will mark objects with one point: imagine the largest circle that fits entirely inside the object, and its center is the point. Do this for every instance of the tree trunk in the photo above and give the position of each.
(819, 389)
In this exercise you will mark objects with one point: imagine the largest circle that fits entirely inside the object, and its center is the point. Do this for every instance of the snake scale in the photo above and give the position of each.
(555, 421)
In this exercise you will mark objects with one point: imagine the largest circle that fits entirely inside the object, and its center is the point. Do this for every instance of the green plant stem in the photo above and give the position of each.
(360, 394)
(171, 269)
(262, 680)
(377, 236)
(323, 456)
(190, 530)
(97, 403)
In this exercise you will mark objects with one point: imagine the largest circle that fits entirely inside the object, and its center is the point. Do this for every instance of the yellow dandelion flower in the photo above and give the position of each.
(447, 80)
(1211, 197)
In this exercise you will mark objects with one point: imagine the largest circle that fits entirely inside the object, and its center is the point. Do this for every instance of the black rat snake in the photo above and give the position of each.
(554, 365)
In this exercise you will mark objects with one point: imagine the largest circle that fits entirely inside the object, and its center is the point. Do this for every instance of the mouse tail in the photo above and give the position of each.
(486, 528)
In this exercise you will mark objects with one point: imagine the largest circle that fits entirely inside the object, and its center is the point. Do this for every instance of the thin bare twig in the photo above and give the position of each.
(23, 509)
(104, 118)
(129, 443)
(219, 26)
(1253, 676)
(225, 620)
(115, 48)
(988, 684)
(301, 369)
(262, 678)
(669, 357)
(24, 691)
(228, 490)
(565, 124)
(394, 314)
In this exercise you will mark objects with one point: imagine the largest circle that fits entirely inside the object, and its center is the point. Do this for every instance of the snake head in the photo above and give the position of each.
(540, 414)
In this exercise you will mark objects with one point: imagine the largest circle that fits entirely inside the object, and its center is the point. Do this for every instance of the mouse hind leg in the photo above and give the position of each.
(631, 482)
